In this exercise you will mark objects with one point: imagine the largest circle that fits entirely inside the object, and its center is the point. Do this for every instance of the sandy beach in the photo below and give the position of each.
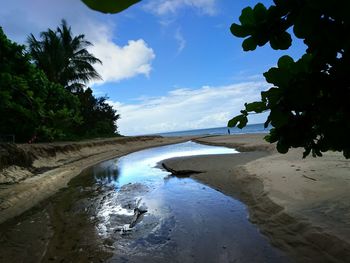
(301, 205)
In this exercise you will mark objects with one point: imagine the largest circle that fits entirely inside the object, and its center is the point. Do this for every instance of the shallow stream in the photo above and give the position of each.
(129, 210)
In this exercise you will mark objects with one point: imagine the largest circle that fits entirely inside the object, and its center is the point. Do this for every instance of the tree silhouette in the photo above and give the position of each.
(64, 58)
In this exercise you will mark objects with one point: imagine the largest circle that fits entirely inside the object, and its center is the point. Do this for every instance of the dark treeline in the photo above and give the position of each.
(43, 93)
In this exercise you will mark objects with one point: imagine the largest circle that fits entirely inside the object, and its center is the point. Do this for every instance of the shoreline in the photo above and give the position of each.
(64, 161)
(300, 205)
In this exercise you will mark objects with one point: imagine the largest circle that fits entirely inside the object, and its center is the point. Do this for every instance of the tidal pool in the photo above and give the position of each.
(129, 210)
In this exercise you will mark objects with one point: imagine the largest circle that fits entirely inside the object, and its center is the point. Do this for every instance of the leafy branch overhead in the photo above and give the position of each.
(308, 103)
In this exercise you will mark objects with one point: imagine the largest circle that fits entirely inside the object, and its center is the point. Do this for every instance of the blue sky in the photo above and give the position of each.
(167, 64)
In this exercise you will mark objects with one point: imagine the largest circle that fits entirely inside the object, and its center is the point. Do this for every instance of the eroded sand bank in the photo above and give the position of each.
(56, 164)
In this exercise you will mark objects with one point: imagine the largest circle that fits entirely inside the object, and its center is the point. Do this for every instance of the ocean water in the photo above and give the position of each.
(252, 128)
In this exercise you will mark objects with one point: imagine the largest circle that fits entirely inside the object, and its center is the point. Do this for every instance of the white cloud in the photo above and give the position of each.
(119, 62)
(181, 42)
(165, 7)
(21, 17)
(185, 109)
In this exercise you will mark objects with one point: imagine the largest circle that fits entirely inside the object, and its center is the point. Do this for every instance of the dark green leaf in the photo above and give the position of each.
(278, 77)
(233, 122)
(273, 95)
(260, 12)
(247, 16)
(240, 121)
(239, 31)
(282, 41)
(257, 106)
(272, 136)
(110, 6)
(285, 62)
(243, 122)
(249, 44)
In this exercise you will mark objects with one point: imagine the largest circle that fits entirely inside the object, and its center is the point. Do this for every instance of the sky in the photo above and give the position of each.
(168, 65)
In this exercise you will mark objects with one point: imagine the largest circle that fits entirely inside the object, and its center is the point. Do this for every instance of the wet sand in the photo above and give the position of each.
(300, 204)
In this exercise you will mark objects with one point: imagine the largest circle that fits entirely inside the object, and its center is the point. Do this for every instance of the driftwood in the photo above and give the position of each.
(138, 212)
(310, 178)
(180, 173)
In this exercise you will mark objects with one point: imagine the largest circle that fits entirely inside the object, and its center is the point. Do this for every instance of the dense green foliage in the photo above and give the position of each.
(31, 105)
(99, 118)
(309, 102)
(34, 108)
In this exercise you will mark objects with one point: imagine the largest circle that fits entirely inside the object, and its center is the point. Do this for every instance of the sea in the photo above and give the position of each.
(251, 128)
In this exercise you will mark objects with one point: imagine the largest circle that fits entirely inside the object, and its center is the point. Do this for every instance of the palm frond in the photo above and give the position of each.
(64, 57)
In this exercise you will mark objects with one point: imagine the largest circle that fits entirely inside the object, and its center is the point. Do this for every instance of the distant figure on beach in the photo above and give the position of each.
(228, 131)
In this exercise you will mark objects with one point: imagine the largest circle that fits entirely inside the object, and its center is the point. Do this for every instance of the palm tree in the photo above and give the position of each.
(64, 58)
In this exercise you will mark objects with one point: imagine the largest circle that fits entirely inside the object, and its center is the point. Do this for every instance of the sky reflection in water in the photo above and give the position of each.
(140, 166)
(185, 220)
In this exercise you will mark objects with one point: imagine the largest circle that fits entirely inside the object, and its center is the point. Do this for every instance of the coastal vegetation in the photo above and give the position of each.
(308, 104)
(44, 94)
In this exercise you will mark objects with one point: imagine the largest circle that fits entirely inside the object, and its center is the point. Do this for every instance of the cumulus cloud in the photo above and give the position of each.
(119, 62)
(185, 109)
(21, 17)
(165, 7)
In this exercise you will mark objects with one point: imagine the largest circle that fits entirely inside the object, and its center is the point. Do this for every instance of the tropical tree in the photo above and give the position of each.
(63, 57)
(31, 105)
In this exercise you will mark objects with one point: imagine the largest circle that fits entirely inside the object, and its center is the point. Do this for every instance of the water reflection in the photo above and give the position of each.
(90, 221)
(140, 166)
(185, 220)
(132, 174)
(107, 173)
